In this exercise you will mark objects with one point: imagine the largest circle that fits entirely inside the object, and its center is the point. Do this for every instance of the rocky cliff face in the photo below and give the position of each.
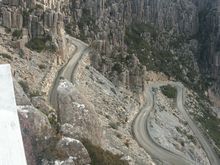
(141, 32)
(42, 19)
(130, 38)
(76, 115)
(118, 30)
(209, 44)
(176, 30)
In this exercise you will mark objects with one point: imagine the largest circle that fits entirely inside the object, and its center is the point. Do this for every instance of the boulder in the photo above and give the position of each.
(74, 149)
(34, 126)
(76, 115)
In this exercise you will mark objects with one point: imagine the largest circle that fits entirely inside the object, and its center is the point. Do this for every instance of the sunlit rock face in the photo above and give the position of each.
(77, 116)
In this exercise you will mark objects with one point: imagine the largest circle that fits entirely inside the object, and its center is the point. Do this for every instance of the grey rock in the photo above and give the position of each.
(34, 125)
(6, 18)
(76, 115)
(75, 150)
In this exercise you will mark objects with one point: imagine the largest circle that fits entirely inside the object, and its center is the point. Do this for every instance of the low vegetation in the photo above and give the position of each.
(21, 53)
(7, 30)
(40, 44)
(102, 157)
(35, 93)
(25, 15)
(161, 52)
(17, 34)
(117, 67)
(209, 123)
(114, 125)
(169, 91)
(192, 138)
(42, 66)
(5, 55)
(37, 44)
(189, 136)
(119, 135)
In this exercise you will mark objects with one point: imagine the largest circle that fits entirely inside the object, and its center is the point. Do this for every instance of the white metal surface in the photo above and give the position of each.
(11, 144)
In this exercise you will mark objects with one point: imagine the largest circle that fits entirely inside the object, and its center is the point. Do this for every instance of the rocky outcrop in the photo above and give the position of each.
(110, 18)
(76, 115)
(68, 152)
(12, 17)
(209, 54)
(34, 127)
(75, 150)
(21, 97)
(191, 20)
(105, 24)
(43, 19)
(43, 146)
(48, 22)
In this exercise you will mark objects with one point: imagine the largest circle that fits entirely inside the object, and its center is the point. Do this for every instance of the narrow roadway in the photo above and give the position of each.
(67, 71)
(140, 127)
(212, 156)
(158, 153)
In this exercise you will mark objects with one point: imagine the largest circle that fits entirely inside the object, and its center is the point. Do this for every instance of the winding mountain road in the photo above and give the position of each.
(140, 126)
(158, 153)
(212, 156)
(67, 71)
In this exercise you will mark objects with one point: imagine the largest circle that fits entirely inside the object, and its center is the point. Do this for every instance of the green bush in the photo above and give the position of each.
(7, 30)
(21, 53)
(86, 18)
(39, 7)
(169, 91)
(210, 123)
(102, 157)
(41, 43)
(4, 55)
(37, 44)
(42, 66)
(117, 67)
(156, 52)
(119, 135)
(178, 129)
(17, 34)
(114, 125)
(25, 15)
(35, 93)
(192, 138)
